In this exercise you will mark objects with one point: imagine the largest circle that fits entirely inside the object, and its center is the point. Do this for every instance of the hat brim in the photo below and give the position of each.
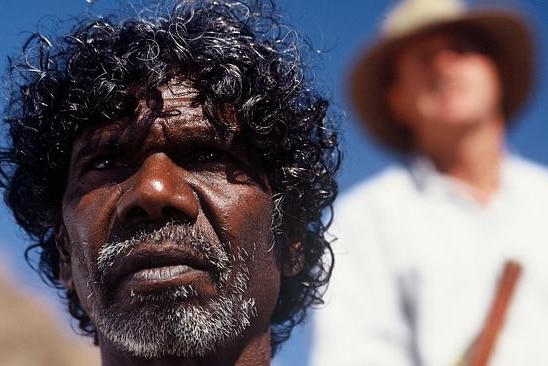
(509, 38)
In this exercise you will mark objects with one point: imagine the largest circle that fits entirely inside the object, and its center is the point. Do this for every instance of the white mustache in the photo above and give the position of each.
(194, 240)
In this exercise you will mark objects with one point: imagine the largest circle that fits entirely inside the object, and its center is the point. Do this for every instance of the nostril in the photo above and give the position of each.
(170, 213)
(158, 191)
(136, 213)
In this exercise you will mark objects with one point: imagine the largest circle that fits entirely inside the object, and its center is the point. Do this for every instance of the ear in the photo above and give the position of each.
(293, 259)
(65, 270)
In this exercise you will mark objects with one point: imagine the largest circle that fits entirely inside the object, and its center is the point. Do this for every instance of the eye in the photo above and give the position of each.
(210, 156)
(107, 162)
(211, 159)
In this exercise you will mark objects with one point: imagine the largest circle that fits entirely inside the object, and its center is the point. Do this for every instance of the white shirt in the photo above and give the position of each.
(417, 264)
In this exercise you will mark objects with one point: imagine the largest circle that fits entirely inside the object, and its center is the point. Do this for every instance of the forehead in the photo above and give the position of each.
(462, 40)
(174, 108)
(425, 42)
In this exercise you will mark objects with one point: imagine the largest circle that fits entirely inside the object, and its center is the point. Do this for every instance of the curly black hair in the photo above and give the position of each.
(235, 53)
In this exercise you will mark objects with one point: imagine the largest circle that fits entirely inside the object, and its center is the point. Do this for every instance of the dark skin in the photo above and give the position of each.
(177, 167)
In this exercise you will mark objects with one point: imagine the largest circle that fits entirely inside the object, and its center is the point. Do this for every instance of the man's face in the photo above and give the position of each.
(169, 231)
(443, 80)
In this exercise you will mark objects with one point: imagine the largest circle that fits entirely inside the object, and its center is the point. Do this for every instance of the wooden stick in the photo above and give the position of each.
(485, 344)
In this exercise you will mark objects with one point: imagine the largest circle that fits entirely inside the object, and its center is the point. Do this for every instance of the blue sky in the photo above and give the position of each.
(340, 29)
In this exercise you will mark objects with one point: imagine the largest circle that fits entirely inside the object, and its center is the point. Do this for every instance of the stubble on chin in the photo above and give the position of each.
(171, 322)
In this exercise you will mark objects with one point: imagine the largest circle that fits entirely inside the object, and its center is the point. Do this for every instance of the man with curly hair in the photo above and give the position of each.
(173, 172)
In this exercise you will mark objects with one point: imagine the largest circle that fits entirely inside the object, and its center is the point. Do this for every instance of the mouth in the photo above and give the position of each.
(150, 270)
(163, 273)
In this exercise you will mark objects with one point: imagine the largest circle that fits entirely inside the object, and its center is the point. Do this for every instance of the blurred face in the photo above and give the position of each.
(169, 227)
(444, 80)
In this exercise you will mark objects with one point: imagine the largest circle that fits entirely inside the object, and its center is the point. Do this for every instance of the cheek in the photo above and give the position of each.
(483, 74)
(402, 102)
(254, 224)
(82, 273)
(238, 212)
(256, 235)
(265, 266)
(86, 220)
(88, 217)
(244, 213)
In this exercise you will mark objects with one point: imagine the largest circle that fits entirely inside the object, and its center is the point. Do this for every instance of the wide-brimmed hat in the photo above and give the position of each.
(506, 33)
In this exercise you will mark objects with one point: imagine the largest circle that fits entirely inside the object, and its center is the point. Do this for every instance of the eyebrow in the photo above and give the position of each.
(96, 143)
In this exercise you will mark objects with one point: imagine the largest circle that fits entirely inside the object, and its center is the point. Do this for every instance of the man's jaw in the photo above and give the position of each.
(172, 317)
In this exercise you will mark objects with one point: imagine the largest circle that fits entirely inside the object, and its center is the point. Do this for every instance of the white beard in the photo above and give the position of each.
(178, 327)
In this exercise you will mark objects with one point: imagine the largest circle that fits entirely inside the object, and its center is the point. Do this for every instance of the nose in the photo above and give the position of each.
(159, 192)
(444, 58)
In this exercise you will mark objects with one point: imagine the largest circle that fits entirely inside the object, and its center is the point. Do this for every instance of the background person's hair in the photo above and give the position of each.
(240, 58)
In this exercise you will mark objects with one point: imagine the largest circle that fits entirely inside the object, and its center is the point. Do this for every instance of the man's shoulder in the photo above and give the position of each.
(527, 172)
(525, 182)
(385, 186)
(391, 178)
(517, 162)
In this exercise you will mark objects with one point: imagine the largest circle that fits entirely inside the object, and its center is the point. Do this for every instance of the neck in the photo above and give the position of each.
(472, 156)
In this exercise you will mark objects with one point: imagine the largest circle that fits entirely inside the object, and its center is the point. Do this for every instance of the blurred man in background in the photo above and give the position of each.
(423, 245)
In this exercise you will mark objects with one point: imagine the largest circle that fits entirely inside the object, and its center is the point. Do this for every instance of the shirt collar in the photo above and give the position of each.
(430, 181)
